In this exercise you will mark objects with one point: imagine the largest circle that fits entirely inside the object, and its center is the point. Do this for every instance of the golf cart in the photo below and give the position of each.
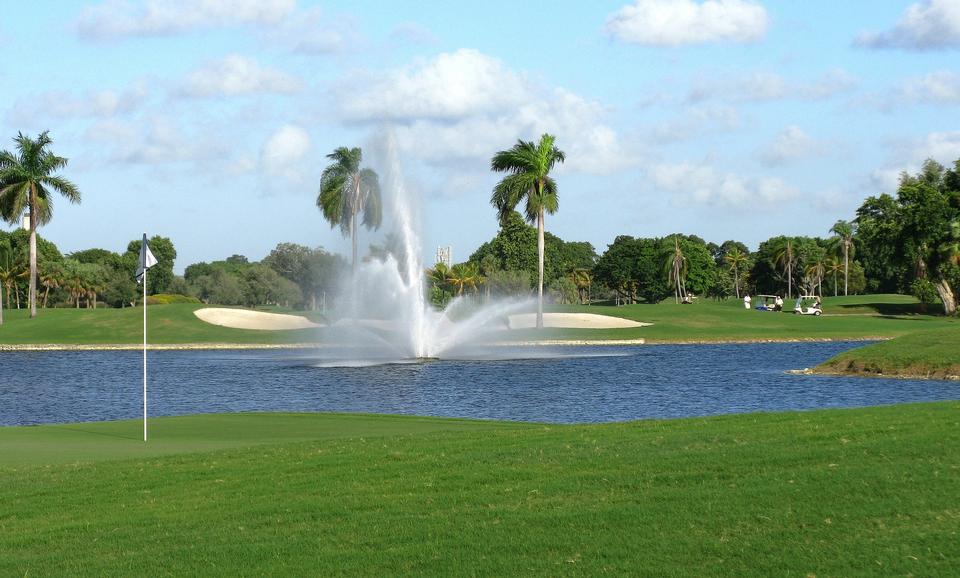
(808, 305)
(766, 302)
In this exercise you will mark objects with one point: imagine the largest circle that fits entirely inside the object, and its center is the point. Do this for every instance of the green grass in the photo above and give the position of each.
(166, 324)
(826, 493)
(934, 354)
(852, 317)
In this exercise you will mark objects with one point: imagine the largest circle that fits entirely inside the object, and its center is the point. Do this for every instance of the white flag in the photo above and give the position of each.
(147, 259)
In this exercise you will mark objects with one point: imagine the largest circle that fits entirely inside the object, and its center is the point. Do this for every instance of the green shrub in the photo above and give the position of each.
(168, 298)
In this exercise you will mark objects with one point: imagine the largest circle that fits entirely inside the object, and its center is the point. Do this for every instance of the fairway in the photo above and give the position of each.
(827, 493)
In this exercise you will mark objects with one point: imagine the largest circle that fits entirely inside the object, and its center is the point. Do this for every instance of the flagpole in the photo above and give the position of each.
(144, 355)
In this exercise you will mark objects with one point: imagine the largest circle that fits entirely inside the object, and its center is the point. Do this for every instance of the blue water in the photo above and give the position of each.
(584, 384)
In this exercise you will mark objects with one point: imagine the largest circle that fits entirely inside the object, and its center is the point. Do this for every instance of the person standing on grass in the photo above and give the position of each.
(746, 301)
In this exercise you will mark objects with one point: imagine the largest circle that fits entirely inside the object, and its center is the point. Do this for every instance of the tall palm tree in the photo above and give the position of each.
(529, 165)
(834, 266)
(785, 257)
(346, 191)
(814, 273)
(676, 266)
(735, 258)
(844, 232)
(439, 274)
(27, 184)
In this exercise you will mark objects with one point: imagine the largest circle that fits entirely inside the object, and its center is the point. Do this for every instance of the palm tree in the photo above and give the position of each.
(463, 275)
(583, 280)
(27, 184)
(346, 190)
(676, 266)
(51, 276)
(735, 258)
(785, 257)
(529, 165)
(834, 266)
(844, 232)
(814, 273)
(439, 274)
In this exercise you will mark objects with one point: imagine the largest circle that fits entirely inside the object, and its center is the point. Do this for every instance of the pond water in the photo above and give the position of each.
(563, 385)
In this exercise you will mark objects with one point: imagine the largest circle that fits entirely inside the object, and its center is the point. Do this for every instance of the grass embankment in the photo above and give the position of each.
(826, 493)
(855, 317)
(927, 354)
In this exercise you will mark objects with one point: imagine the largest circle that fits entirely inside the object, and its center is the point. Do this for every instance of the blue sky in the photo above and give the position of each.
(207, 121)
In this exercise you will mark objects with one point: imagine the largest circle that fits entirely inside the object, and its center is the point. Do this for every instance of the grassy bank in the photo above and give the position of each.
(854, 317)
(827, 493)
(932, 354)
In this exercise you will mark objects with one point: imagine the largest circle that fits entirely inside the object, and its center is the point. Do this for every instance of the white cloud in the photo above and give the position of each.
(123, 18)
(464, 105)
(926, 25)
(313, 31)
(792, 144)
(451, 85)
(678, 22)
(937, 87)
(908, 155)
(98, 104)
(703, 184)
(769, 86)
(234, 76)
(283, 152)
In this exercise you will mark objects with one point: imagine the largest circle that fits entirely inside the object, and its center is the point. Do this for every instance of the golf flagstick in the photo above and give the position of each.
(147, 260)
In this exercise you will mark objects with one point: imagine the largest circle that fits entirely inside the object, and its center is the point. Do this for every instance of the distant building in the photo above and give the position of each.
(25, 223)
(445, 255)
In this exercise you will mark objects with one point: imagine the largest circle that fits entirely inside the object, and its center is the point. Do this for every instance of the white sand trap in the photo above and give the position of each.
(247, 319)
(573, 321)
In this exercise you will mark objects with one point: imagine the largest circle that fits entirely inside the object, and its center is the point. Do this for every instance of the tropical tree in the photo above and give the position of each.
(785, 257)
(583, 280)
(844, 235)
(735, 259)
(528, 165)
(51, 276)
(834, 266)
(676, 266)
(346, 191)
(814, 274)
(464, 275)
(27, 184)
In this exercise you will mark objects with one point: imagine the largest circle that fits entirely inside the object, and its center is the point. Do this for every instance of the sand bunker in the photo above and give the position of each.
(247, 319)
(573, 321)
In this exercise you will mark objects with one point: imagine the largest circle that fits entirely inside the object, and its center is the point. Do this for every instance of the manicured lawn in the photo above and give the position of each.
(934, 353)
(827, 493)
(852, 317)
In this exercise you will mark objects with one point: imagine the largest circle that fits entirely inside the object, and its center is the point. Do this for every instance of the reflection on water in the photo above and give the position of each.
(569, 384)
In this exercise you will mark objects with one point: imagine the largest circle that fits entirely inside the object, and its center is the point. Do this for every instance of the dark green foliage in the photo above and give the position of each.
(633, 269)
(160, 275)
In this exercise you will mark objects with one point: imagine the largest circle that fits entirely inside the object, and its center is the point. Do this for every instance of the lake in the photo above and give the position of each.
(562, 384)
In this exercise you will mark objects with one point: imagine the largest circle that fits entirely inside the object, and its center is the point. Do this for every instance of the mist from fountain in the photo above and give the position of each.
(385, 315)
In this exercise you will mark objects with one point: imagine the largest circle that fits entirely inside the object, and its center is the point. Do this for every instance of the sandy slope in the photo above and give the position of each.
(573, 321)
(246, 319)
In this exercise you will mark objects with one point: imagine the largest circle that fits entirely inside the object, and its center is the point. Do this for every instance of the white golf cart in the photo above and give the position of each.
(766, 302)
(808, 305)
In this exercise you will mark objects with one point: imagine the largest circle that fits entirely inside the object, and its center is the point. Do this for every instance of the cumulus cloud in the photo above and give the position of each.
(908, 155)
(283, 152)
(792, 144)
(125, 18)
(769, 86)
(234, 76)
(694, 121)
(701, 183)
(941, 87)
(96, 104)
(679, 22)
(926, 25)
(464, 104)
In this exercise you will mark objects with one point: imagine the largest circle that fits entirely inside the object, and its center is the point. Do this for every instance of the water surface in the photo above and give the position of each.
(580, 384)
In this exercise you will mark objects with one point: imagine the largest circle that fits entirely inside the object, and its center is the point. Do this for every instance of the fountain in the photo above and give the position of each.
(385, 315)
